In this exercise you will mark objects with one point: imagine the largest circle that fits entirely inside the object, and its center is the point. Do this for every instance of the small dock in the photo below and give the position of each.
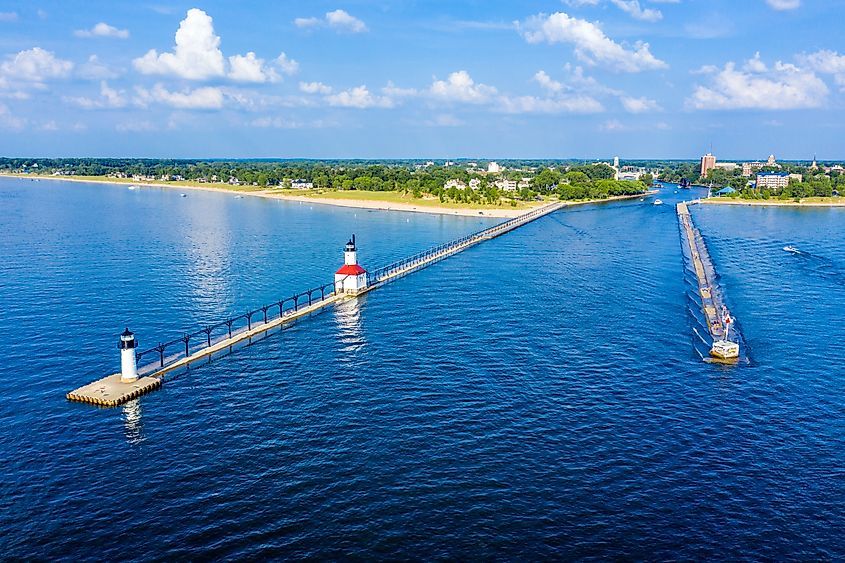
(714, 310)
(157, 362)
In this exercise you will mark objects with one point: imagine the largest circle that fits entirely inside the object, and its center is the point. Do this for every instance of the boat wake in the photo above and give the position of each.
(818, 265)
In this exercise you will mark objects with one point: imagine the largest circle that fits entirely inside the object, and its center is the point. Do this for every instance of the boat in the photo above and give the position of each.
(658, 202)
(132, 188)
(685, 184)
(184, 195)
(792, 249)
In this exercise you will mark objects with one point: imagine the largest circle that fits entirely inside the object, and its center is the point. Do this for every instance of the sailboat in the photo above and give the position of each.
(685, 184)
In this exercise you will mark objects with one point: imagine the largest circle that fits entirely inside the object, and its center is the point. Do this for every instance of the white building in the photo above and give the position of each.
(772, 180)
(506, 185)
(474, 183)
(493, 168)
(301, 185)
(454, 184)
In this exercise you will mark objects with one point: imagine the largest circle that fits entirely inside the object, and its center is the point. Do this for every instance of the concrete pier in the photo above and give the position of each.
(110, 391)
(711, 304)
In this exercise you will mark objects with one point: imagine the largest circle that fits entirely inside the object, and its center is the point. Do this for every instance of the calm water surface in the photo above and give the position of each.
(537, 396)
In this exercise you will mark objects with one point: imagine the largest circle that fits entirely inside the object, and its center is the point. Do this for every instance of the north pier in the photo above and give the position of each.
(716, 314)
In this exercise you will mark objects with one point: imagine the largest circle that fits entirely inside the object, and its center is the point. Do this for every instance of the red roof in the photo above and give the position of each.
(351, 270)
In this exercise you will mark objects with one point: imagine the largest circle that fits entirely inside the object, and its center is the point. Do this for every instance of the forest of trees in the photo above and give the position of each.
(570, 182)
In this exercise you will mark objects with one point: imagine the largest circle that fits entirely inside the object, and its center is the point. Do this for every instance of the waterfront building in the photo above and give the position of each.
(772, 180)
(301, 185)
(474, 183)
(454, 184)
(708, 162)
(506, 185)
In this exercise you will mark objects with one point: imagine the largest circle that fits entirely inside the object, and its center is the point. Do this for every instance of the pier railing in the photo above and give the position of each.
(167, 353)
(436, 253)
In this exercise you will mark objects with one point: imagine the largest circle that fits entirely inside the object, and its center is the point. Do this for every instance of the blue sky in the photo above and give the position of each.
(423, 79)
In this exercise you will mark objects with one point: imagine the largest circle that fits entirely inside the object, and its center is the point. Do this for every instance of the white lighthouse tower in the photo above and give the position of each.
(350, 278)
(128, 368)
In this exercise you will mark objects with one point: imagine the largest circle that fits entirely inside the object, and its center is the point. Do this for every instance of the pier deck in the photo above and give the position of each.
(709, 303)
(110, 391)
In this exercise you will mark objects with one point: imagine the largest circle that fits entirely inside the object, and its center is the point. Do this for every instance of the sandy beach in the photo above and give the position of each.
(504, 213)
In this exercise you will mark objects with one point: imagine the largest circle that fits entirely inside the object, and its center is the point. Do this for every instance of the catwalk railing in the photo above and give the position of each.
(167, 353)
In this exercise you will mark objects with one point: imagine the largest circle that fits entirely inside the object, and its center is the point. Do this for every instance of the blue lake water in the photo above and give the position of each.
(537, 396)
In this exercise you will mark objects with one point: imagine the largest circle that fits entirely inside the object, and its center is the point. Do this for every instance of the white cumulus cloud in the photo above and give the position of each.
(756, 86)
(197, 53)
(359, 97)
(339, 20)
(33, 66)
(287, 65)
(639, 105)
(826, 62)
(591, 44)
(103, 29)
(250, 68)
(633, 9)
(197, 56)
(460, 87)
(315, 88)
(199, 98)
(109, 98)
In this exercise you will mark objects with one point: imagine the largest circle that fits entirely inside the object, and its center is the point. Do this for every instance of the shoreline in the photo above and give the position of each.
(374, 205)
(769, 203)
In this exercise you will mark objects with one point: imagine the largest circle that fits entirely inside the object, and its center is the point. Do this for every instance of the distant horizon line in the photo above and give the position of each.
(422, 158)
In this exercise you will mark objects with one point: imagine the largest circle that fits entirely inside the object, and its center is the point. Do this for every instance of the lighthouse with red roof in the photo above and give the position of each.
(351, 277)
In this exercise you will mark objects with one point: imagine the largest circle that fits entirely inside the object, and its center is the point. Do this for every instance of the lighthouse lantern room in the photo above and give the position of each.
(128, 367)
(351, 277)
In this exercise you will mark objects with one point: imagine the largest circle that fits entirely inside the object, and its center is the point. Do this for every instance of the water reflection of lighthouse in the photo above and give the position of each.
(132, 421)
(351, 278)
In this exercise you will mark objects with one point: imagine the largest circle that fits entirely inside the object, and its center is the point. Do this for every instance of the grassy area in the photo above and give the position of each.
(408, 199)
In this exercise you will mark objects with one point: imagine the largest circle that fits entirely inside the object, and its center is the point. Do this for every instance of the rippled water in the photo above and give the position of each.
(537, 396)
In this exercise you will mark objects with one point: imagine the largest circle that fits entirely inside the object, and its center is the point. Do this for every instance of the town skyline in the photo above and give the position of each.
(573, 79)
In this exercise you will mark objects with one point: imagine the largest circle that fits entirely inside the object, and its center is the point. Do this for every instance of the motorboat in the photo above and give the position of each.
(658, 202)
(184, 195)
(792, 249)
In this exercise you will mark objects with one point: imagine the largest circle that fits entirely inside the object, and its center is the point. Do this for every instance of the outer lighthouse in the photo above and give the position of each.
(128, 369)
(351, 277)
